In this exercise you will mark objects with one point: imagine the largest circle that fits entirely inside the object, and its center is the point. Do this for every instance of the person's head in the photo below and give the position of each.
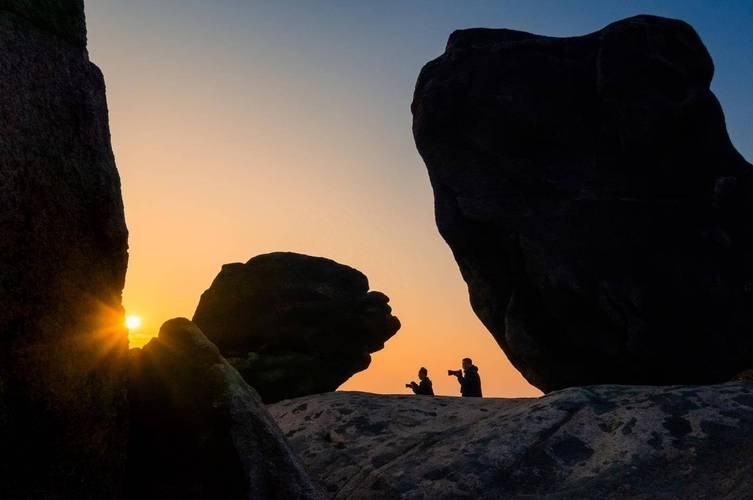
(422, 373)
(467, 363)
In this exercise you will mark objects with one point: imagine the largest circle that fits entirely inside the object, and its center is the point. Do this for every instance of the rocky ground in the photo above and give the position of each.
(593, 442)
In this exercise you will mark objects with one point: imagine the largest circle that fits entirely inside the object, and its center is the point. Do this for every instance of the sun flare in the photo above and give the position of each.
(133, 322)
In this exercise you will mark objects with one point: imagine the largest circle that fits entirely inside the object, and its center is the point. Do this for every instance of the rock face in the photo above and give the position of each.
(294, 324)
(198, 430)
(63, 255)
(593, 201)
(594, 442)
(62, 18)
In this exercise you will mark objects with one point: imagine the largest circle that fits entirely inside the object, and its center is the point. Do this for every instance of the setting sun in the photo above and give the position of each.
(133, 322)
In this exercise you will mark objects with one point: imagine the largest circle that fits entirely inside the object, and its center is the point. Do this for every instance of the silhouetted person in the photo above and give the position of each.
(424, 387)
(470, 382)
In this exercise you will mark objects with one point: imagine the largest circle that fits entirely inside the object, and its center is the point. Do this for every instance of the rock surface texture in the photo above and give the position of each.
(199, 431)
(293, 324)
(593, 201)
(595, 442)
(63, 257)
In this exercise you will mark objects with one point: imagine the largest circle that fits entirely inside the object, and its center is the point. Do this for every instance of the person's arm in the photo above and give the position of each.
(414, 387)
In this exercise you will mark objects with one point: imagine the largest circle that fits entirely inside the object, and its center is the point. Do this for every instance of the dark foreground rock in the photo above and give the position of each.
(293, 324)
(198, 430)
(595, 442)
(593, 201)
(63, 256)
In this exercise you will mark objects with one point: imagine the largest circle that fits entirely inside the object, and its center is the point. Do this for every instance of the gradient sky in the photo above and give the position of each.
(243, 127)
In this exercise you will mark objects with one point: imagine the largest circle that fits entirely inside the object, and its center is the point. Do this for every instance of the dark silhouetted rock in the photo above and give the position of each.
(593, 201)
(63, 257)
(597, 442)
(63, 18)
(294, 324)
(744, 375)
(198, 430)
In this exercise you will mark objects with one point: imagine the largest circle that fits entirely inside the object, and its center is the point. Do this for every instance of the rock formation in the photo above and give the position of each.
(593, 201)
(596, 442)
(294, 324)
(198, 430)
(63, 257)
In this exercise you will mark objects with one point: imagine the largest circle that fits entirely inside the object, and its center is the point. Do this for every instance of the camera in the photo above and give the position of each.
(455, 373)
(408, 386)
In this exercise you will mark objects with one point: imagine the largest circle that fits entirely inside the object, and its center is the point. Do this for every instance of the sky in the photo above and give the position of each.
(242, 127)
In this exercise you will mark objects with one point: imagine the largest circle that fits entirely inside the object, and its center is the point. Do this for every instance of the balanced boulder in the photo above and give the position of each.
(593, 201)
(63, 258)
(198, 430)
(294, 324)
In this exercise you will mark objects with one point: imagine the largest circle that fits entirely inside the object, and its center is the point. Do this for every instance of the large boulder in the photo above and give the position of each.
(63, 18)
(63, 257)
(595, 442)
(294, 324)
(198, 430)
(593, 201)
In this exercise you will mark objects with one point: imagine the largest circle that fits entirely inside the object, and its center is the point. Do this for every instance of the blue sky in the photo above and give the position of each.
(378, 47)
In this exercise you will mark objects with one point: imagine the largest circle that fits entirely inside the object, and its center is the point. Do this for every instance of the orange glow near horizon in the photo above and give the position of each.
(241, 128)
(226, 151)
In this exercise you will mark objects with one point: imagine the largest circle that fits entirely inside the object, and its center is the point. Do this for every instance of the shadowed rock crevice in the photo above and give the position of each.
(593, 201)
(198, 430)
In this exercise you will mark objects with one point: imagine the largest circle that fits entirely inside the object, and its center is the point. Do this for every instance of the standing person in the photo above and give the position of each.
(469, 379)
(424, 388)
